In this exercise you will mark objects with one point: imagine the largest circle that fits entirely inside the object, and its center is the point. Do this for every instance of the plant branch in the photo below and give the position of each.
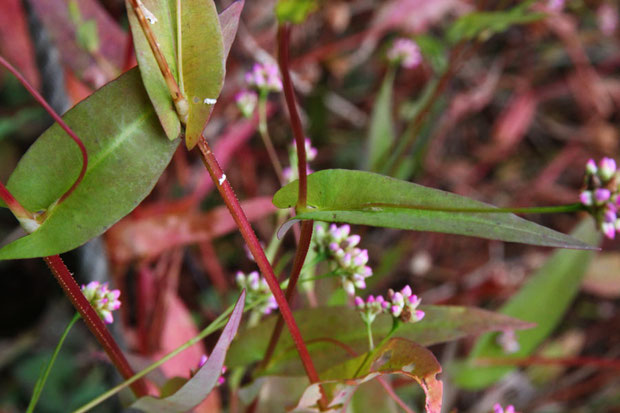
(13, 204)
(284, 34)
(264, 134)
(300, 257)
(40, 384)
(94, 323)
(56, 118)
(180, 102)
(226, 191)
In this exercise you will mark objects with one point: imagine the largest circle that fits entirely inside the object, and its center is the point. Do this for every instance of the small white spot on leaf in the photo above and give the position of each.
(210, 101)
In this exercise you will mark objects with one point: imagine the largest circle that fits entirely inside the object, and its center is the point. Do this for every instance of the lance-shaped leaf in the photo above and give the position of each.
(202, 63)
(396, 356)
(196, 389)
(357, 197)
(543, 300)
(327, 329)
(381, 131)
(160, 14)
(127, 152)
(229, 22)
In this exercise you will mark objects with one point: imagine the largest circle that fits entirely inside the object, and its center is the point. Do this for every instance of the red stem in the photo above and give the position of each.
(57, 118)
(226, 191)
(300, 257)
(16, 208)
(93, 321)
(284, 34)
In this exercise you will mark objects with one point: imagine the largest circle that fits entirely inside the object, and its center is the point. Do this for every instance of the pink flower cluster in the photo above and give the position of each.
(601, 195)
(497, 408)
(405, 52)
(264, 77)
(103, 300)
(257, 289)
(246, 102)
(402, 304)
(350, 261)
(290, 173)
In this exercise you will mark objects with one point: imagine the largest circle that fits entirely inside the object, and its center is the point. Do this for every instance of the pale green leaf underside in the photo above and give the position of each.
(196, 389)
(164, 30)
(203, 63)
(357, 197)
(127, 151)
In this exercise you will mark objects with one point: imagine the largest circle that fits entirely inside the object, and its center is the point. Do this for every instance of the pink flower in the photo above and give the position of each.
(405, 52)
(103, 300)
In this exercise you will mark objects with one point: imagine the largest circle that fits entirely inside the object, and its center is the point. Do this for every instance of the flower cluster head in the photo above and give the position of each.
(497, 408)
(402, 305)
(246, 102)
(372, 307)
(103, 300)
(607, 18)
(257, 289)
(203, 360)
(405, 52)
(264, 77)
(555, 6)
(342, 249)
(290, 173)
(601, 195)
(508, 342)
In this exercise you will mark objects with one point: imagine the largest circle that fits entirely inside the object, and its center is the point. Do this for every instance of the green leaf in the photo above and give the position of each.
(127, 152)
(196, 389)
(433, 50)
(396, 356)
(486, 24)
(381, 132)
(229, 22)
(357, 197)
(295, 11)
(344, 325)
(202, 64)
(544, 299)
(164, 30)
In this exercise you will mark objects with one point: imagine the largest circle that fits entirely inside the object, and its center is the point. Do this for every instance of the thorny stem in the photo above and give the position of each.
(264, 134)
(56, 118)
(284, 34)
(226, 191)
(300, 257)
(40, 384)
(180, 102)
(93, 321)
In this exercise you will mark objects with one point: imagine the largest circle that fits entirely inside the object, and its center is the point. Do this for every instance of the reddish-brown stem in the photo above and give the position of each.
(93, 321)
(300, 257)
(284, 34)
(57, 118)
(226, 191)
(81, 304)
(13, 204)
